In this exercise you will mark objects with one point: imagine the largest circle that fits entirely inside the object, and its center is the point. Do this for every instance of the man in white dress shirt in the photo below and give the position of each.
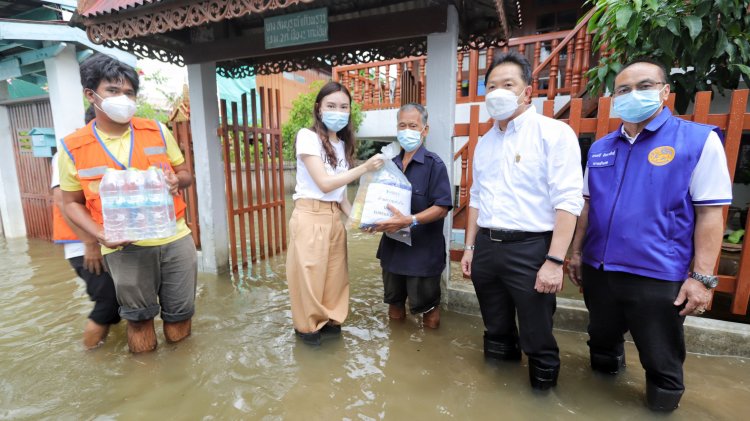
(525, 198)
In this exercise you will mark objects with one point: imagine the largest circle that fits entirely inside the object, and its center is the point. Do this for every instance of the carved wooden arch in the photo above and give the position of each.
(180, 17)
(315, 60)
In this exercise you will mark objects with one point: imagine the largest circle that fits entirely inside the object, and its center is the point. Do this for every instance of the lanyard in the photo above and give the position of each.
(132, 144)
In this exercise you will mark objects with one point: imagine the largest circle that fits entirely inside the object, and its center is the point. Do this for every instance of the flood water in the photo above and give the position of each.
(244, 362)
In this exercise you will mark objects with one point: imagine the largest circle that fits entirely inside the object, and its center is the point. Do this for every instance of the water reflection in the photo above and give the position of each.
(244, 361)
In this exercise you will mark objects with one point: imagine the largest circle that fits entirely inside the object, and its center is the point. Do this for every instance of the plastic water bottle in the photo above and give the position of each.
(135, 201)
(157, 209)
(113, 210)
(172, 225)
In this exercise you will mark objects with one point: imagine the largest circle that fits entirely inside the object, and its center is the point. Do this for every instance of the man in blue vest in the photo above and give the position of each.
(654, 191)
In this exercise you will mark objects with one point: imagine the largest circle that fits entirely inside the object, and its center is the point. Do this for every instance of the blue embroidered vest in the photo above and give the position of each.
(641, 217)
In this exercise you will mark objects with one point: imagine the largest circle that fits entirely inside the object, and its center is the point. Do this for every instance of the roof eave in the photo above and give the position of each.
(505, 30)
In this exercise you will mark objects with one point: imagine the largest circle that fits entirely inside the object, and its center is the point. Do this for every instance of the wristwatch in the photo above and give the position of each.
(471, 247)
(709, 281)
(414, 221)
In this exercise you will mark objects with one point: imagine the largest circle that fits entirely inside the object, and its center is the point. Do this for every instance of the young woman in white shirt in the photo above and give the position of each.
(316, 266)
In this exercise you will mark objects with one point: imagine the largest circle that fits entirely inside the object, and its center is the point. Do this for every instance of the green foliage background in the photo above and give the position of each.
(301, 116)
(708, 39)
(146, 110)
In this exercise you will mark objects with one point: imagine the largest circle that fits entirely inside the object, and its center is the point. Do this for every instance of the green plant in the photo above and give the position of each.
(301, 116)
(159, 81)
(708, 40)
(146, 110)
(367, 148)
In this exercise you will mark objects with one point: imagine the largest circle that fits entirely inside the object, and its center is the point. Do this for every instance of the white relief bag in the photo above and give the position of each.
(377, 190)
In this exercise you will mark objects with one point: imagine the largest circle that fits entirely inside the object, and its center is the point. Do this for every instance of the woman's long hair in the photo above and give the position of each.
(346, 134)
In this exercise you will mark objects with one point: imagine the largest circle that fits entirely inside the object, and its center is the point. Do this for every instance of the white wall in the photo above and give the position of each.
(378, 124)
(11, 210)
(65, 92)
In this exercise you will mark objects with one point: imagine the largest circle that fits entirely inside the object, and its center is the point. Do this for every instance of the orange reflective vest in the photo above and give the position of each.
(92, 159)
(61, 232)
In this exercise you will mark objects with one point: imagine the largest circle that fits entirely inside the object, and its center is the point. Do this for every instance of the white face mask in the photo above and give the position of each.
(501, 103)
(119, 109)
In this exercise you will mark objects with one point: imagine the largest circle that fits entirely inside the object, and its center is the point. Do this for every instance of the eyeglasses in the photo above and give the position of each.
(643, 86)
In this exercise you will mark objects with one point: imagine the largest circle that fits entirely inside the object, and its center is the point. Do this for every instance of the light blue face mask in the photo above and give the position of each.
(409, 139)
(636, 106)
(335, 120)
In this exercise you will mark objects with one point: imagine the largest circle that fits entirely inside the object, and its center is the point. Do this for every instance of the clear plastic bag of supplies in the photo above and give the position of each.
(377, 190)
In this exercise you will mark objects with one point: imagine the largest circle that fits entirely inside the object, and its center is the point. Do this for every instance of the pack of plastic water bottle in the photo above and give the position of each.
(137, 205)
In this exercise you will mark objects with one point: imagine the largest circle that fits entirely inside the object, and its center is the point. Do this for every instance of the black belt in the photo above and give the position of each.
(509, 236)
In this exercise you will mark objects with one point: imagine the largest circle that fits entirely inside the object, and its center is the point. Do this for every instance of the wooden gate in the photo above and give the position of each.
(183, 136)
(33, 173)
(254, 170)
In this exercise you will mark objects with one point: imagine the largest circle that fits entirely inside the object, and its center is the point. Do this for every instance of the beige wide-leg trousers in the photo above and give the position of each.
(316, 265)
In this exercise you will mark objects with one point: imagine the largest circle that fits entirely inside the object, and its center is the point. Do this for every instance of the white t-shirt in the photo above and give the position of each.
(308, 143)
(71, 249)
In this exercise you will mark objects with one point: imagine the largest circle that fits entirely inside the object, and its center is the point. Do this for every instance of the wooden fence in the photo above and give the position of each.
(183, 136)
(411, 88)
(559, 61)
(732, 124)
(254, 170)
(34, 174)
(380, 85)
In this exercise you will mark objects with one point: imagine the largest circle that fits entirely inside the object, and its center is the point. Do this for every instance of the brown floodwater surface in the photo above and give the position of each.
(244, 362)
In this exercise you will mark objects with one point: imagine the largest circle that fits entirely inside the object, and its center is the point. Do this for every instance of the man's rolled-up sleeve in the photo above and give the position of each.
(564, 173)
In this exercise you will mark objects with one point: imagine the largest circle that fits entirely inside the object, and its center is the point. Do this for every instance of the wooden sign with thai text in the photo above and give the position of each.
(300, 28)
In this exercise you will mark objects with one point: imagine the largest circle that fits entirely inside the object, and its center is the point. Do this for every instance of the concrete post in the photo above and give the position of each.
(11, 209)
(209, 170)
(442, 65)
(65, 92)
(4, 94)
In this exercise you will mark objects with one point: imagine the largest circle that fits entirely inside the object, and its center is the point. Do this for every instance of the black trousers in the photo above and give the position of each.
(101, 290)
(423, 292)
(619, 302)
(504, 274)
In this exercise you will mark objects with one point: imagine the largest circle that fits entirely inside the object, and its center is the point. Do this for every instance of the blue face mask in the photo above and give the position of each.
(636, 106)
(335, 120)
(409, 139)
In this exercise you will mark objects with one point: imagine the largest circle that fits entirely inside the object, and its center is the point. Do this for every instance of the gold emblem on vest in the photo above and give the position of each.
(662, 155)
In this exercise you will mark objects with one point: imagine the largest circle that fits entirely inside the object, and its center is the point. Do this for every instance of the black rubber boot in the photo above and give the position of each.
(542, 377)
(309, 338)
(607, 364)
(331, 330)
(662, 400)
(499, 348)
